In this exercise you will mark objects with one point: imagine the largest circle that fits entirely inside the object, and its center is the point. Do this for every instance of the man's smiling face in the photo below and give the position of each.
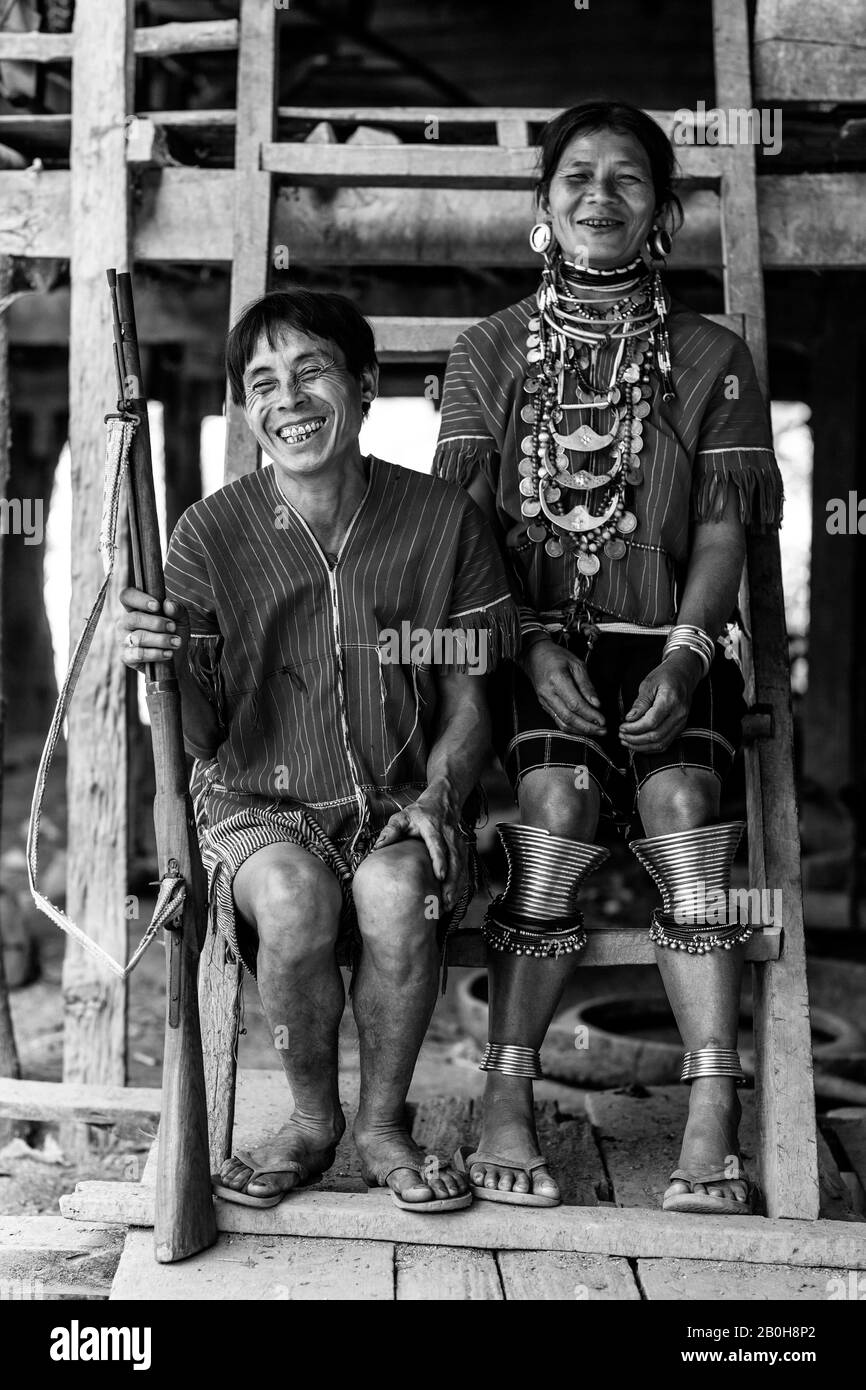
(301, 402)
(601, 199)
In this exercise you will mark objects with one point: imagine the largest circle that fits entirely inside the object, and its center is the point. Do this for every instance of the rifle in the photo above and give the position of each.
(184, 1219)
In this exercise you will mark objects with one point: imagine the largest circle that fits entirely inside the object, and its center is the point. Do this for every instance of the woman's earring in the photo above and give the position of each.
(541, 238)
(659, 243)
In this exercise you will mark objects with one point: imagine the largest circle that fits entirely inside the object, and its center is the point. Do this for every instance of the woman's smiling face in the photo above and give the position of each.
(601, 200)
(301, 402)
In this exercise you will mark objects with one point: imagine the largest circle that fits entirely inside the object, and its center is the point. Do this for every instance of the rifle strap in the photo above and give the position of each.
(120, 430)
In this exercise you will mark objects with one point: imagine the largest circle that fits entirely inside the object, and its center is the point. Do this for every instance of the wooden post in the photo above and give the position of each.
(219, 978)
(251, 250)
(9, 1064)
(95, 999)
(783, 1062)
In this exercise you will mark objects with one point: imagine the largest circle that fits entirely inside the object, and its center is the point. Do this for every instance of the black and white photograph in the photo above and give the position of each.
(432, 668)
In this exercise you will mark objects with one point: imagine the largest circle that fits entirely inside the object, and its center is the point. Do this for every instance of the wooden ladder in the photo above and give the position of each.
(783, 1063)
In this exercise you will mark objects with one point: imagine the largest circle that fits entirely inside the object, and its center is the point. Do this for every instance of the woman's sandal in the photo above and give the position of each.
(701, 1203)
(306, 1176)
(434, 1204)
(710, 1061)
(464, 1160)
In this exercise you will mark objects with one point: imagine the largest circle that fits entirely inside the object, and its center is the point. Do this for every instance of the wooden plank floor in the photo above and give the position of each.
(615, 1149)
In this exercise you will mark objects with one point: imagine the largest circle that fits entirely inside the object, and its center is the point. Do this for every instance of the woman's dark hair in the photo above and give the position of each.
(623, 119)
(318, 313)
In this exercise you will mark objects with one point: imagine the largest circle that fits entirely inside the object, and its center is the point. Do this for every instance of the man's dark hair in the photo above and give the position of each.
(318, 313)
(623, 119)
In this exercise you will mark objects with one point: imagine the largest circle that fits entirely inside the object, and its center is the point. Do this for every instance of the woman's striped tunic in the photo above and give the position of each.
(716, 431)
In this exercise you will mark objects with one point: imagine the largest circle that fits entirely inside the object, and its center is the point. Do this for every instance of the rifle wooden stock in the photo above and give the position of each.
(184, 1222)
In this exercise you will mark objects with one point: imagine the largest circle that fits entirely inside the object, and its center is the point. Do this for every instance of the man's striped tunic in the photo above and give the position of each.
(288, 646)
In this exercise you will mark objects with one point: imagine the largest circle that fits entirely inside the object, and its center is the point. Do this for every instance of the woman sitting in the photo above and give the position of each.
(620, 445)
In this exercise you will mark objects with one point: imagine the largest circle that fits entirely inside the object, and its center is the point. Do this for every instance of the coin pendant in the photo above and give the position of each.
(527, 445)
(553, 547)
(636, 445)
(537, 533)
(615, 549)
(525, 468)
(531, 385)
(534, 324)
(627, 523)
(528, 415)
(631, 373)
(530, 507)
(552, 494)
(641, 410)
(534, 354)
(634, 475)
(614, 395)
(533, 340)
(588, 564)
(636, 429)
(527, 487)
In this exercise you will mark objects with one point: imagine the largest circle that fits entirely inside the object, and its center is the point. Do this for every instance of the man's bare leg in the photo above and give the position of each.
(524, 994)
(394, 995)
(293, 901)
(703, 991)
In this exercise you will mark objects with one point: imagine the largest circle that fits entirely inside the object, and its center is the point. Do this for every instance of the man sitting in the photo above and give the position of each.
(332, 767)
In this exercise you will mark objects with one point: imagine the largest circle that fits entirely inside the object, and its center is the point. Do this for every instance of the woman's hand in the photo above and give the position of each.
(564, 688)
(661, 708)
(145, 634)
(433, 819)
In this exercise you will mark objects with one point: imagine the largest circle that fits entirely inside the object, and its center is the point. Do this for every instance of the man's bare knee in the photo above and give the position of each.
(397, 897)
(290, 899)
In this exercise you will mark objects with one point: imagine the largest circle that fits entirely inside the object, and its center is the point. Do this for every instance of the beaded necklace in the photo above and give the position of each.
(598, 465)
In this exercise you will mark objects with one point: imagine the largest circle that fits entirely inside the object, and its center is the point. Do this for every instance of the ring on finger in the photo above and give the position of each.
(132, 639)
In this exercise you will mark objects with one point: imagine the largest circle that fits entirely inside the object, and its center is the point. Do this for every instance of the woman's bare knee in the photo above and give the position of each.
(678, 799)
(550, 800)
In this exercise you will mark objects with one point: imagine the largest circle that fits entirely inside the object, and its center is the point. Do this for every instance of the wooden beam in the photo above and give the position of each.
(618, 946)
(155, 41)
(94, 998)
(621, 1231)
(402, 339)
(51, 1101)
(187, 36)
(185, 215)
(445, 166)
(785, 1100)
(251, 208)
(811, 52)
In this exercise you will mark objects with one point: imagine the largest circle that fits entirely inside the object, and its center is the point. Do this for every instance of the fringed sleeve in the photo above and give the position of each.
(754, 474)
(735, 447)
(466, 442)
(492, 635)
(481, 604)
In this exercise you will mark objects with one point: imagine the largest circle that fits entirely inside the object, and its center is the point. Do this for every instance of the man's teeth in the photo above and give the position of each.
(292, 434)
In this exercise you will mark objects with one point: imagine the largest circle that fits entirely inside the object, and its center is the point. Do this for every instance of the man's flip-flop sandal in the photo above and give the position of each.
(701, 1203)
(459, 1203)
(464, 1161)
(248, 1199)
